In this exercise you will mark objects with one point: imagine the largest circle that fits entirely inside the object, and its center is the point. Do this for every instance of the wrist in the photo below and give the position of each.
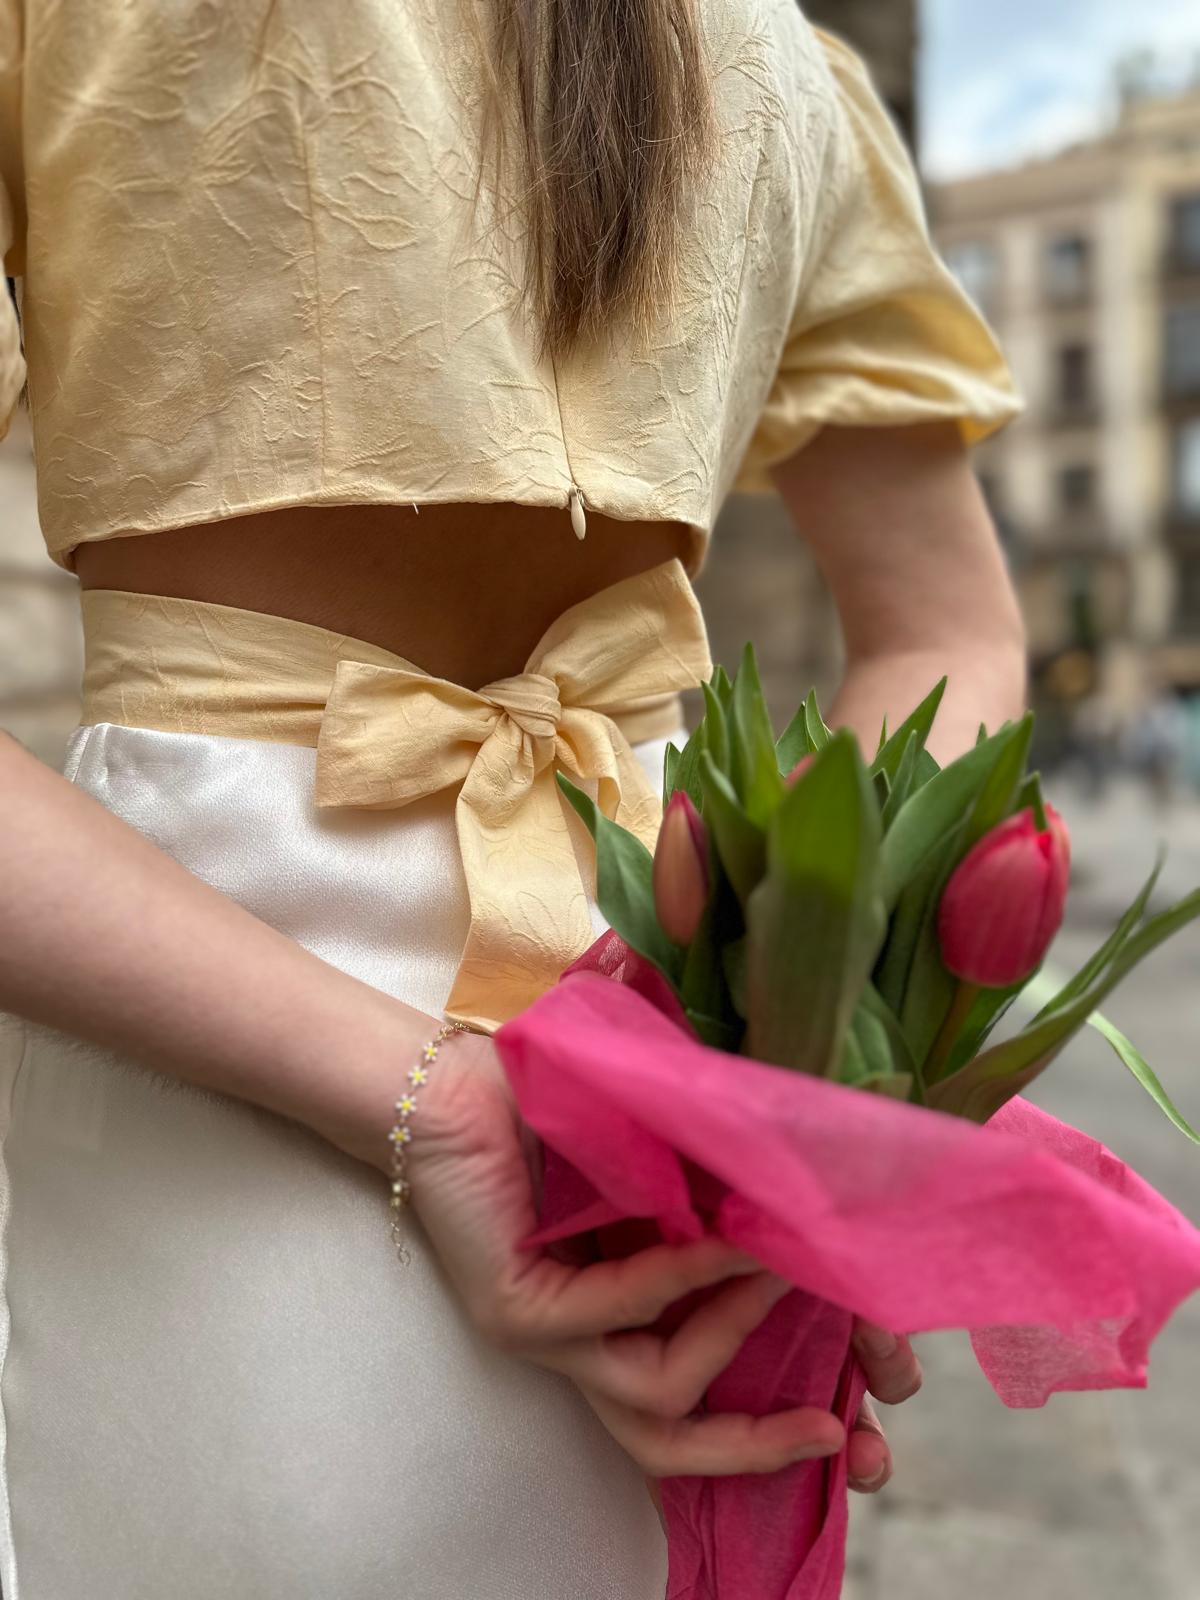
(347, 1086)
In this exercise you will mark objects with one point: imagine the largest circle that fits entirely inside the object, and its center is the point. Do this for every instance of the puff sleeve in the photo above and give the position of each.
(12, 365)
(881, 333)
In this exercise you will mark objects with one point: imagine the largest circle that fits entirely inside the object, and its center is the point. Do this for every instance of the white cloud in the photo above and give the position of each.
(1002, 83)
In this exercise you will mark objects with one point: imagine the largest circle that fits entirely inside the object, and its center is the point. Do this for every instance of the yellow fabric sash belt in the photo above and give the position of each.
(604, 676)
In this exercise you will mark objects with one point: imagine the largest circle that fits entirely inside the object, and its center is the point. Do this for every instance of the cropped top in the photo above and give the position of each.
(260, 269)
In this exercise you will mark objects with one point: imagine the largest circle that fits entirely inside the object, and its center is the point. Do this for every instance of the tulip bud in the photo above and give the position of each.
(799, 770)
(1004, 902)
(681, 870)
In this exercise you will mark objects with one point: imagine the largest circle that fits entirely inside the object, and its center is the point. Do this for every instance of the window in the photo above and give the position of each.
(1077, 487)
(976, 265)
(1187, 469)
(1183, 350)
(1185, 231)
(1074, 377)
(1068, 267)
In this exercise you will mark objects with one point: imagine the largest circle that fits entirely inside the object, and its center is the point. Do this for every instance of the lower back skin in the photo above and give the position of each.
(463, 591)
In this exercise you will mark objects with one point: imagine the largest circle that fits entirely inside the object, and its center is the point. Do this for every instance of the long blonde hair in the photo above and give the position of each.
(615, 115)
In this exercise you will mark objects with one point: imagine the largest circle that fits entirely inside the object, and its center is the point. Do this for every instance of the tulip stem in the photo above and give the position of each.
(961, 1006)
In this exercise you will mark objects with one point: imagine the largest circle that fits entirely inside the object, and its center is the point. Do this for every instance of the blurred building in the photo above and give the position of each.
(884, 32)
(1088, 265)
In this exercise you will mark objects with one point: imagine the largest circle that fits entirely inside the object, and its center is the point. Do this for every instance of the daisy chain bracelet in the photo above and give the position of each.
(400, 1135)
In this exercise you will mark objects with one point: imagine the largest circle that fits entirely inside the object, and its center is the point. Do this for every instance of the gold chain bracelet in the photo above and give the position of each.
(400, 1135)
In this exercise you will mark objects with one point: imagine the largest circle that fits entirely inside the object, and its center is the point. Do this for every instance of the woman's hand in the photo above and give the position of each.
(893, 1374)
(472, 1188)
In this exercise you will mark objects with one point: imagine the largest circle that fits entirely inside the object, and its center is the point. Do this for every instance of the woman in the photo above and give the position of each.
(358, 338)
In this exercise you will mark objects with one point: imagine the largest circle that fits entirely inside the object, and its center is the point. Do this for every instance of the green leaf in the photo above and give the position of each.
(874, 1002)
(1031, 797)
(929, 991)
(981, 1087)
(919, 722)
(722, 685)
(793, 743)
(815, 922)
(624, 891)
(908, 919)
(716, 1032)
(753, 764)
(991, 1005)
(894, 1085)
(902, 779)
(716, 728)
(702, 980)
(1096, 963)
(818, 734)
(883, 736)
(920, 829)
(734, 960)
(868, 1031)
(1137, 1064)
(671, 761)
(997, 797)
(741, 845)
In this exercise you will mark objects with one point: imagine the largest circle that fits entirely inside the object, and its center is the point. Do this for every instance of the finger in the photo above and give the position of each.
(668, 1377)
(718, 1446)
(892, 1369)
(547, 1303)
(868, 1459)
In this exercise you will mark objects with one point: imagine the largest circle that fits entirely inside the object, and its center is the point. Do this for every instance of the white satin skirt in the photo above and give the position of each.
(217, 1379)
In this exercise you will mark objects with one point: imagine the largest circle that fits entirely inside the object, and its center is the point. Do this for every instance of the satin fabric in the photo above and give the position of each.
(388, 734)
(218, 1382)
(269, 261)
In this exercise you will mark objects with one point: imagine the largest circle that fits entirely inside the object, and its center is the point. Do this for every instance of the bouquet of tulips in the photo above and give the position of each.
(799, 983)
(870, 923)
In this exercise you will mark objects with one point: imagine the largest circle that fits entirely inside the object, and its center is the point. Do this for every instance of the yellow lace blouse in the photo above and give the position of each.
(254, 274)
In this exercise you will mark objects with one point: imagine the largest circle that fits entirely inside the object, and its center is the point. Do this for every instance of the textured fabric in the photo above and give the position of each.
(255, 275)
(218, 1382)
(388, 734)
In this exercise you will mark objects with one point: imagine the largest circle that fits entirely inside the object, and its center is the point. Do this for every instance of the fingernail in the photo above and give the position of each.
(873, 1482)
(876, 1342)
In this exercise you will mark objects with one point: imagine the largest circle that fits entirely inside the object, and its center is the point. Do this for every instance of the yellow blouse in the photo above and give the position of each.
(255, 276)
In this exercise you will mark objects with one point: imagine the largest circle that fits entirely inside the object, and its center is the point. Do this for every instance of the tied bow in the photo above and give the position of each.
(604, 674)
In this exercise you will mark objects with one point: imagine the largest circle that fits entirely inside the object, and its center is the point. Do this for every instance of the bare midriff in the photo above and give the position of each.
(463, 591)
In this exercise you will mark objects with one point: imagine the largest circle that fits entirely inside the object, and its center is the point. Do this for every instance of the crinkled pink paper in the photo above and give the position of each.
(1060, 1259)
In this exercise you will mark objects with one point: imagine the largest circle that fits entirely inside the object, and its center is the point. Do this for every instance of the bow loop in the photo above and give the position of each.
(610, 664)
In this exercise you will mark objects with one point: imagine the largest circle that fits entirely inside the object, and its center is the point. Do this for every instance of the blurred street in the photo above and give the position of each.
(1098, 1496)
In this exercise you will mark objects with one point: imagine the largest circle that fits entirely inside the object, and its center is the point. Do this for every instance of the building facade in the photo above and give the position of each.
(885, 34)
(1088, 265)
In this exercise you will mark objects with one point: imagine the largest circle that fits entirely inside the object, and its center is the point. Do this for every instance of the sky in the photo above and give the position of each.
(1003, 80)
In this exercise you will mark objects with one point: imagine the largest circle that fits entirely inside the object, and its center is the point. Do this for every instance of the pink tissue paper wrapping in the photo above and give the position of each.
(1061, 1261)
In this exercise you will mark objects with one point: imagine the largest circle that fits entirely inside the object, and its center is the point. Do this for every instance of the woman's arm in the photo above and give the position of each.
(105, 936)
(899, 528)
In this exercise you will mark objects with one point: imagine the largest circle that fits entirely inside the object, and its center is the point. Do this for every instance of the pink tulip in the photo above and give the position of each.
(1004, 902)
(681, 870)
(799, 770)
